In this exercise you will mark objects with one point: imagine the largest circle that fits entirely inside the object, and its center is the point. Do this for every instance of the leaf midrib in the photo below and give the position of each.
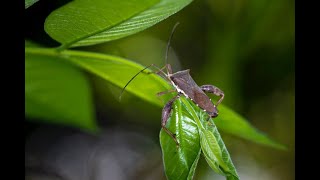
(74, 53)
(54, 52)
(69, 44)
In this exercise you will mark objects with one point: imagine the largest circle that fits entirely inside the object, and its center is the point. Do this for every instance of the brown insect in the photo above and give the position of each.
(183, 83)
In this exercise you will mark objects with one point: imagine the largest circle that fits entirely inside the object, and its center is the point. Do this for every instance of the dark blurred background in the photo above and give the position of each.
(245, 47)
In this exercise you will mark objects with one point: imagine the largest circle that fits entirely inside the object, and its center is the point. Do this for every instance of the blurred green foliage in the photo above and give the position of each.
(57, 92)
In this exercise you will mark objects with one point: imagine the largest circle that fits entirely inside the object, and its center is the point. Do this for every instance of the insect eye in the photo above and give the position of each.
(214, 114)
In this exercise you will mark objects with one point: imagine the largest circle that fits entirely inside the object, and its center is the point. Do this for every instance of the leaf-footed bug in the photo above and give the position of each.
(186, 86)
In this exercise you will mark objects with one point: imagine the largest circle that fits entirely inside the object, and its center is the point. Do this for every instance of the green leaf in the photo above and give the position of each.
(212, 145)
(119, 71)
(140, 22)
(115, 70)
(80, 19)
(233, 123)
(102, 21)
(57, 92)
(212, 152)
(181, 162)
(28, 3)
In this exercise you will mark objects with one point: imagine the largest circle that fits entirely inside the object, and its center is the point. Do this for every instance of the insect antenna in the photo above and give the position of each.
(166, 60)
(168, 45)
(131, 80)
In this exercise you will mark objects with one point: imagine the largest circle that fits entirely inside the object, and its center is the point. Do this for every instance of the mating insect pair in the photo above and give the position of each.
(184, 85)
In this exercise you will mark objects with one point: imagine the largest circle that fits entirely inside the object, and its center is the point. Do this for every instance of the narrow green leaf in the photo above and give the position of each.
(115, 70)
(212, 145)
(233, 123)
(193, 167)
(57, 92)
(119, 71)
(137, 23)
(180, 162)
(213, 141)
(28, 3)
(212, 152)
(81, 19)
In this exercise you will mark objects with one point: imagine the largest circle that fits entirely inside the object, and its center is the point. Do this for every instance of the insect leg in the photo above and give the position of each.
(160, 70)
(166, 112)
(214, 90)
